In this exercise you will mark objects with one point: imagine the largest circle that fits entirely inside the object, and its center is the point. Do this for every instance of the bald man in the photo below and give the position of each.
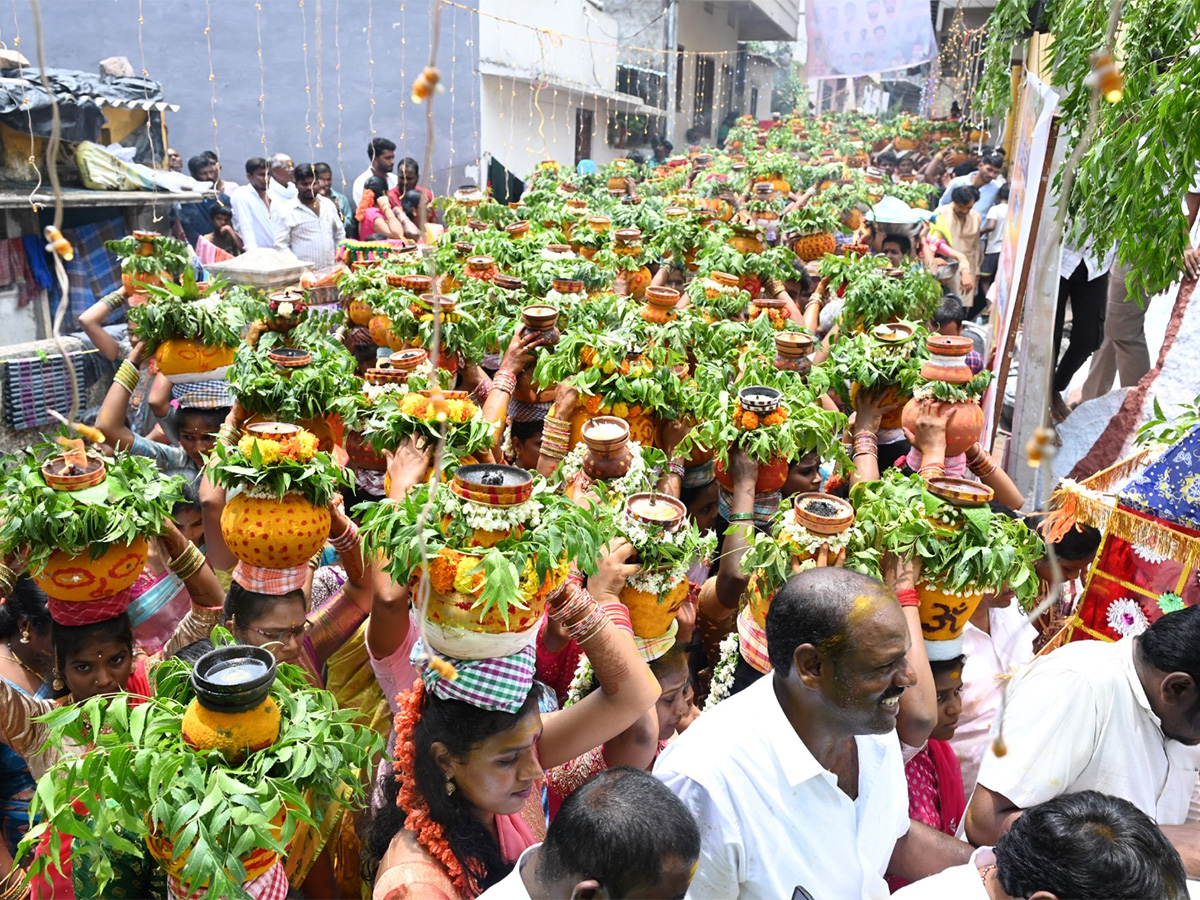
(798, 782)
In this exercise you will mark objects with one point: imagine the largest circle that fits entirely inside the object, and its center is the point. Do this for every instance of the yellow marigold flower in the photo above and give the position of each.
(621, 410)
(414, 404)
(455, 411)
(464, 581)
(307, 444)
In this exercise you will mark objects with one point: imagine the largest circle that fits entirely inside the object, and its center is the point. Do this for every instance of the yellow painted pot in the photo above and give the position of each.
(234, 734)
(650, 614)
(274, 534)
(81, 578)
(943, 615)
(190, 357)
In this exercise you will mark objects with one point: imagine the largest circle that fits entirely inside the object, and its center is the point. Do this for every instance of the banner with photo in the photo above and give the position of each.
(848, 38)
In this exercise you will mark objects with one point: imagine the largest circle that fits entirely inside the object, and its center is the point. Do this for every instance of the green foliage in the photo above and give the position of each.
(400, 529)
(138, 777)
(1167, 430)
(316, 479)
(183, 312)
(1143, 159)
(133, 500)
(170, 255)
(326, 385)
(871, 364)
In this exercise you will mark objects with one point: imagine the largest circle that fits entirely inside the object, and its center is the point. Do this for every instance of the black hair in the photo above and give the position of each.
(377, 146)
(1078, 544)
(618, 828)
(964, 194)
(254, 163)
(408, 163)
(901, 241)
(303, 172)
(192, 652)
(210, 155)
(243, 606)
(1089, 846)
(1002, 194)
(322, 168)
(28, 603)
(196, 163)
(812, 608)
(219, 209)
(949, 311)
(886, 159)
(1172, 642)
(460, 728)
(664, 665)
(992, 159)
(523, 431)
(213, 419)
(377, 186)
(663, 142)
(69, 639)
(945, 666)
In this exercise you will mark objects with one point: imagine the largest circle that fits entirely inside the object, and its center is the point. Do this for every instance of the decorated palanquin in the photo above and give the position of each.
(1147, 509)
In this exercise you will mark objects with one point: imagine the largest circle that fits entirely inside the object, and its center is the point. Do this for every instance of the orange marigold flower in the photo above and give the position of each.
(749, 420)
(442, 569)
(773, 419)
(592, 404)
(415, 405)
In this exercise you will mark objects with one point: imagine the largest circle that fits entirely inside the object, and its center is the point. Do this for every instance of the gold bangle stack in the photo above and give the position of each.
(556, 437)
(8, 580)
(187, 563)
(127, 376)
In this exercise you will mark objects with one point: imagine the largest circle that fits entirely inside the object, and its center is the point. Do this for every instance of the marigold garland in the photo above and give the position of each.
(417, 819)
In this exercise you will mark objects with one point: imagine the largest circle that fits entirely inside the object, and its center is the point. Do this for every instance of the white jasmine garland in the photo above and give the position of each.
(806, 540)
(506, 445)
(556, 256)
(709, 285)
(376, 392)
(555, 298)
(581, 682)
(284, 309)
(502, 518)
(635, 480)
(723, 672)
(659, 582)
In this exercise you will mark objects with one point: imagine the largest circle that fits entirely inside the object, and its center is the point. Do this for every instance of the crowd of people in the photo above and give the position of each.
(796, 727)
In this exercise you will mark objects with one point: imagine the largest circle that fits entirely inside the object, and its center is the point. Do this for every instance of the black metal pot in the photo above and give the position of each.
(233, 679)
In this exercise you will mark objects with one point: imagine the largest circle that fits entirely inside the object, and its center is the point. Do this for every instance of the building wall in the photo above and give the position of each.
(79, 33)
(700, 31)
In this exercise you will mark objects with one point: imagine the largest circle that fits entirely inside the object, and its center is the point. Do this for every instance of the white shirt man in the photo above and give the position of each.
(252, 218)
(1079, 719)
(310, 235)
(771, 818)
(361, 180)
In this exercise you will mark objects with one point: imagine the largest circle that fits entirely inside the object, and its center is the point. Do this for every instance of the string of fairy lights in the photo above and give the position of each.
(963, 53)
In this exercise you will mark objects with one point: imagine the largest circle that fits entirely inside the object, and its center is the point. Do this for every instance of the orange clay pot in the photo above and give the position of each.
(943, 616)
(81, 578)
(190, 357)
(274, 534)
(961, 432)
(894, 419)
(771, 477)
(257, 862)
(359, 312)
(638, 281)
(643, 428)
(650, 614)
(328, 430)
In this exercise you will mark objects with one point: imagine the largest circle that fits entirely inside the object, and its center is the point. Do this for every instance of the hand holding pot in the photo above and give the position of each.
(742, 469)
(520, 352)
(614, 568)
(901, 574)
(565, 398)
(870, 408)
(406, 468)
(670, 433)
(929, 433)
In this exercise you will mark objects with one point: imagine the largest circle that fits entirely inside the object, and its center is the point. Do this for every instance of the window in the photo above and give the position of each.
(643, 83)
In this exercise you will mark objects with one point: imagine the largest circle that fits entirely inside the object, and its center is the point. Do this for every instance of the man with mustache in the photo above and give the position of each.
(798, 781)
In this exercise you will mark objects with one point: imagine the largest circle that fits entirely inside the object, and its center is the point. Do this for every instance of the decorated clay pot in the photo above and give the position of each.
(947, 363)
(945, 615)
(482, 268)
(289, 357)
(660, 304)
(822, 514)
(80, 578)
(257, 862)
(540, 318)
(63, 476)
(274, 534)
(517, 230)
(568, 285)
(181, 358)
(948, 359)
(638, 281)
(962, 492)
(722, 278)
(650, 614)
(608, 455)
(233, 711)
(414, 282)
(962, 430)
(643, 426)
(359, 312)
(792, 352)
(361, 456)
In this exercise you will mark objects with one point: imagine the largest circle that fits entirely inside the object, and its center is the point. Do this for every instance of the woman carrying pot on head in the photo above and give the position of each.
(93, 655)
(639, 744)
(27, 664)
(470, 751)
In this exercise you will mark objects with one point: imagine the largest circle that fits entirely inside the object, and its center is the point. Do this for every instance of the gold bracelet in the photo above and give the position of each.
(187, 563)
(207, 615)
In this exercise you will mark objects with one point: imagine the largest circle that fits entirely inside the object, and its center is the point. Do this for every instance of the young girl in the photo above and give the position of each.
(935, 787)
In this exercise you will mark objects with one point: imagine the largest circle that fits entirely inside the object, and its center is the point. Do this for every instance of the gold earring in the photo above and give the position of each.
(58, 683)
(450, 785)
(25, 635)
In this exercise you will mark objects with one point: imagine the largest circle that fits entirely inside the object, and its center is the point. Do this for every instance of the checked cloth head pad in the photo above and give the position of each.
(270, 581)
(73, 613)
(501, 684)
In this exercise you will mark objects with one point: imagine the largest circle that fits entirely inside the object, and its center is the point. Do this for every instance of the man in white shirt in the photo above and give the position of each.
(620, 834)
(252, 207)
(1122, 718)
(309, 226)
(1078, 845)
(282, 184)
(798, 781)
(382, 154)
(986, 179)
